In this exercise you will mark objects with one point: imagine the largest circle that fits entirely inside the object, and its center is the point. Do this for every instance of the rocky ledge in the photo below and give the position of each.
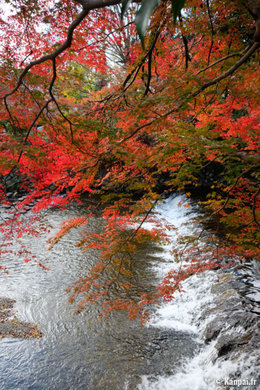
(233, 325)
(10, 326)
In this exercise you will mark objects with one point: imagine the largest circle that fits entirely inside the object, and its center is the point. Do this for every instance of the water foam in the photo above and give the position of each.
(204, 371)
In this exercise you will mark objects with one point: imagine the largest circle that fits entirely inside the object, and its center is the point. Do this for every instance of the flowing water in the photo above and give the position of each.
(81, 352)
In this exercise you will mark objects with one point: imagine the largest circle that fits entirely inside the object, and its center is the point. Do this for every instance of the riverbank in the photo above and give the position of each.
(232, 326)
(10, 326)
(221, 309)
(225, 324)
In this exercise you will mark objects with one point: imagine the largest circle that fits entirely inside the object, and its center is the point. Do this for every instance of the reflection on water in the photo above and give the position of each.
(80, 352)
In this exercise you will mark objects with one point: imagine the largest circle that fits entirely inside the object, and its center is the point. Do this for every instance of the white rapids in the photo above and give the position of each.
(204, 371)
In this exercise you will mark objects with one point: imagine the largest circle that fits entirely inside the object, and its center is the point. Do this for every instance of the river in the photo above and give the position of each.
(81, 352)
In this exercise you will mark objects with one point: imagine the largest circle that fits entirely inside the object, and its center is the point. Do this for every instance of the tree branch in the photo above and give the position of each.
(212, 31)
(231, 70)
(186, 47)
(147, 89)
(81, 16)
(95, 4)
(218, 61)
(55, 101)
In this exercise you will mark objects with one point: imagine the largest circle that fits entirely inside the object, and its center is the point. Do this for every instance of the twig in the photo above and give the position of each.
(206, 85)
(147, 89)
(54, 99)
(218, 61)
(231, 70)
(186, 47)
(81, 16)
(148, 53)
(32, 125)
(212, 31)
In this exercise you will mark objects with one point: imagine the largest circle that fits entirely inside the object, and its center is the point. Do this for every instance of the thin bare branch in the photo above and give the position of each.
(52, 55)
(54, 99)
(106, 36)
(149, 51)
(212, 31)
(147, 89)
(220, 60)
(231, 70)
(186, 47)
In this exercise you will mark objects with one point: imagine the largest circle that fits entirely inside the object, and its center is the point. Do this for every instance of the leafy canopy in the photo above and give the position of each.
(87, 110)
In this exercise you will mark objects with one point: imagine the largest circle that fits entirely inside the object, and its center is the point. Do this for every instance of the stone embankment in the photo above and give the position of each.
(233, 325)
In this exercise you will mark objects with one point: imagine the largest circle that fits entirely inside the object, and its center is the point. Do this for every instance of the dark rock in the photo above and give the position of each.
(229, 342)
(214, 328)
(233, 326)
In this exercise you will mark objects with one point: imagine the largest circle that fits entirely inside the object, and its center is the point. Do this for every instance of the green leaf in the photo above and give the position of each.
(125, 5)
(177, 6)
(143, 15)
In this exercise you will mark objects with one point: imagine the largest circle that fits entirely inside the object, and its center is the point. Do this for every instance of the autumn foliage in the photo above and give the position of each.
(127, 125)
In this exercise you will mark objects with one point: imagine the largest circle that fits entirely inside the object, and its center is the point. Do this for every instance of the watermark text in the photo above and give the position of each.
(236, 382)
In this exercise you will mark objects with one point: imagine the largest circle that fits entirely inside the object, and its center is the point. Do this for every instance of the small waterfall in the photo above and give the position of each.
(213, 310)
